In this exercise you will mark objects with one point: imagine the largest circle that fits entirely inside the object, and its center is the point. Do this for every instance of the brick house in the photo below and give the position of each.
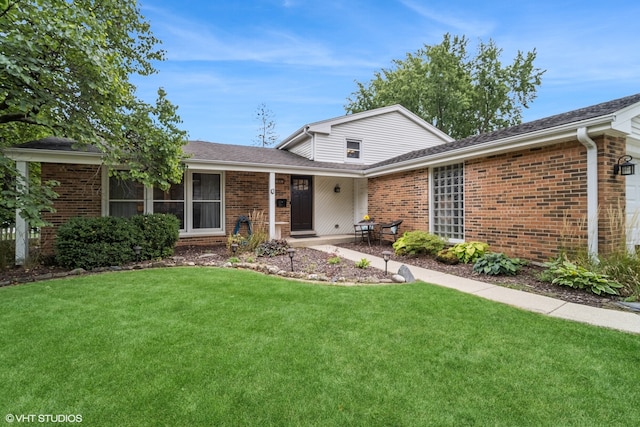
(526, 190)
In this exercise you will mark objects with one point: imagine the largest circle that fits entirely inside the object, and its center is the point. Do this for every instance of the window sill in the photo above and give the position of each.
(203, 233)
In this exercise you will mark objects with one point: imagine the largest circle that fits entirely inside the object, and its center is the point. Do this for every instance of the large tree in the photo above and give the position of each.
(66, 68)
(459, 94)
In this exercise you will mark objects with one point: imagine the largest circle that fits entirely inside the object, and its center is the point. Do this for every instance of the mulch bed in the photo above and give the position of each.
(314, 264)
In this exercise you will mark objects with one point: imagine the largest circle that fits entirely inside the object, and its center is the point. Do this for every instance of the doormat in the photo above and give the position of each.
(303, 236)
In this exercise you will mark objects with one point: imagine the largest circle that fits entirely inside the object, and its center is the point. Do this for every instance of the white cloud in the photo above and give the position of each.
(467, 26)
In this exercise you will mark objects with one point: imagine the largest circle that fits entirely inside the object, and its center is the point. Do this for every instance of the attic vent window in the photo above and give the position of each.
(353, 148)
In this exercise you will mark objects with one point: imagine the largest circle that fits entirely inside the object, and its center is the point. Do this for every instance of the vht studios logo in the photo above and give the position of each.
(43, 418)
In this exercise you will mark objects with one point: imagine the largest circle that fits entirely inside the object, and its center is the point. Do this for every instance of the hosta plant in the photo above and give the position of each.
(470, 251)
(496, 264)
(565, 273)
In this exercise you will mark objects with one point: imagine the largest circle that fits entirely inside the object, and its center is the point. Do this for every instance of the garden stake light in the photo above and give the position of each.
(291, 253)
(137, 249)
(386, 255)
(234, 248)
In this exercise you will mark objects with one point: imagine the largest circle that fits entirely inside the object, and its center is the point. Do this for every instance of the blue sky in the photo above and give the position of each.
(302, 58)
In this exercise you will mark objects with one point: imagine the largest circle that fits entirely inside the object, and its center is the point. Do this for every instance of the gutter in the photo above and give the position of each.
(541, 137)
(592, 191)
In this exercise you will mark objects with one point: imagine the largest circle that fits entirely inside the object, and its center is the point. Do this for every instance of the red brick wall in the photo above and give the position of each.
(528, 204)
(611, 195)
(244, 192)
(403, 195)
(79, 195)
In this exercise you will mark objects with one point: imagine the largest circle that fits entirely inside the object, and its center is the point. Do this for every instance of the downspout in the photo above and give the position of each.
(313, 142)
(592, 191)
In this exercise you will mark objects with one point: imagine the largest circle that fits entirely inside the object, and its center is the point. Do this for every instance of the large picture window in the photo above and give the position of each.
(448, 201)
(171, 201)
(126, 198)
(197, 201)
(207, 200)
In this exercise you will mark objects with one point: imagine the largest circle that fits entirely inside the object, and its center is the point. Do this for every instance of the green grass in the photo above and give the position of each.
(196, 346)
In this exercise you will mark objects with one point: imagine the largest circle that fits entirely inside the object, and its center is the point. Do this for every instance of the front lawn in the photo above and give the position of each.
(201, 346)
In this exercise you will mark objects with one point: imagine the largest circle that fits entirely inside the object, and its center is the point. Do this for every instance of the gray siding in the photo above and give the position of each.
(382, 136)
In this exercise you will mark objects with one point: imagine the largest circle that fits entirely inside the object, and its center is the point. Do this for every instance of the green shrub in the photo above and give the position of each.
(239, 240)
(363, 263)
(418, 242)
(272, 248)
(470, 251)
(95, 242)
(107, 241)
(624, 268)
(334, 260)
(157, 234)
(564, 273)
(496, 264)
(446, 256)
(7, 254)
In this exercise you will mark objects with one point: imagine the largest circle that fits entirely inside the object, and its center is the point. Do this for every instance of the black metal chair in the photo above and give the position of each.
(364, 229)
(391, 229)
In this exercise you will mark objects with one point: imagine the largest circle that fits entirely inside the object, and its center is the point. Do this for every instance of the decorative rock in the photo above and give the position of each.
(272, 269)
(313, 277)
(406, 273)
(77, 271)
(396, 278)
(633, 306)
(206, 255)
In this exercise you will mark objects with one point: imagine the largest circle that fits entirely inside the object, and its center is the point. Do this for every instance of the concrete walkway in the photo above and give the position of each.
(613, 319)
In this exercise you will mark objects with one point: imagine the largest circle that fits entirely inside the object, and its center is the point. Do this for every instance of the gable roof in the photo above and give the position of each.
(595, 114)
(613, 114)
(270, 158)
(324, 126)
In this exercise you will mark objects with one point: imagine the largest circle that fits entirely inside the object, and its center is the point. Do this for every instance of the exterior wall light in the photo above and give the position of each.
(626, 168)
(336, 189)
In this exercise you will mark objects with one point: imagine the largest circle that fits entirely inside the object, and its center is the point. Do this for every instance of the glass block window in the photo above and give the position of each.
(448, 201)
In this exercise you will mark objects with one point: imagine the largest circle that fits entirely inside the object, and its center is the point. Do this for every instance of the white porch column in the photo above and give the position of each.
(272, 205)
(22, 226)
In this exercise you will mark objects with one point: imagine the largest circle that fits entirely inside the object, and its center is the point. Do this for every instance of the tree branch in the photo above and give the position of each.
(17, 117)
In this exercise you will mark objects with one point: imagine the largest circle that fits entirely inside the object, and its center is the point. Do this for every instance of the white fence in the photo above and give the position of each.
(10, 233)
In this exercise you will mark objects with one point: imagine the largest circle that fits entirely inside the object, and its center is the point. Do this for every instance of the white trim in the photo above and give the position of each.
(325, 126)
(360, 150)
(22, 225)
(53, 156)
(187, 182)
